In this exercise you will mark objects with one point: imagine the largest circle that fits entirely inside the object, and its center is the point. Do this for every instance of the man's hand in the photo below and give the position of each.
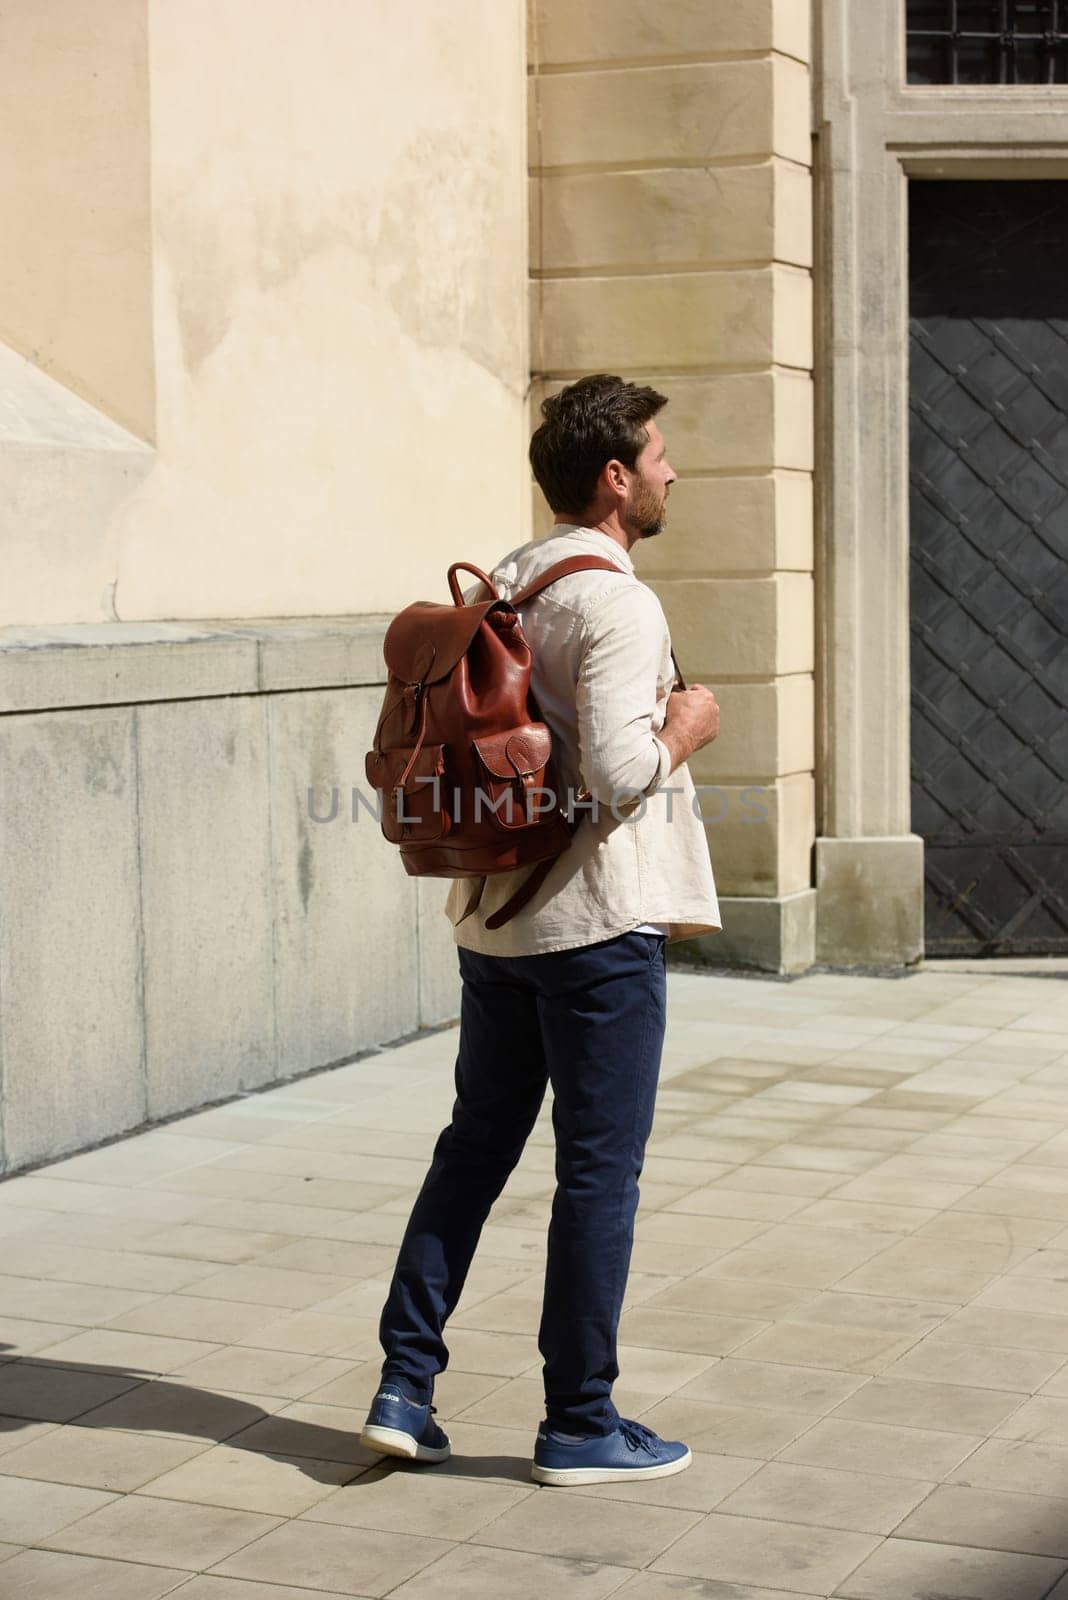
(691, 721)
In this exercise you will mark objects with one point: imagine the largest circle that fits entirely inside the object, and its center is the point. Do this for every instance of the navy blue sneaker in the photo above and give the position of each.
(632, 1451)
(397, 1426)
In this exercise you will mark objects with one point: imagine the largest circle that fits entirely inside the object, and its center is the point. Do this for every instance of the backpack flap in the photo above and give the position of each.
(425, 641)
(513, 764)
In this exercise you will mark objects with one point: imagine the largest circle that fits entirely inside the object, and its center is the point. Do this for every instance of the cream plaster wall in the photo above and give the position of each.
(75, 269)
(338, 316)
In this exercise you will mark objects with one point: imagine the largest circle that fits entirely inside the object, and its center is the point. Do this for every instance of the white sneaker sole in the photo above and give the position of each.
(571, 1477)
(394, 1442)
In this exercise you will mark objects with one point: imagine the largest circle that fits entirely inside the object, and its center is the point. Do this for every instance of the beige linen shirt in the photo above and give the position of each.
(601, 676)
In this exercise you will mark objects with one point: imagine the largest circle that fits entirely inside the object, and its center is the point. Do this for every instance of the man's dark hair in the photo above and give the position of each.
(593, 421)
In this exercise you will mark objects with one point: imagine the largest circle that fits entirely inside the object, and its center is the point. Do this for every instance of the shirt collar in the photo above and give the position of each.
(602, 542)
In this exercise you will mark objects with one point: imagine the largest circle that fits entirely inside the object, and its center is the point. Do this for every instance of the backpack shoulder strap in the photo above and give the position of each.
(561, 570)
(578, 564)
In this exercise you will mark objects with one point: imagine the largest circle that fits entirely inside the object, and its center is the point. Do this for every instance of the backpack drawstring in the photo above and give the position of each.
(420, 695)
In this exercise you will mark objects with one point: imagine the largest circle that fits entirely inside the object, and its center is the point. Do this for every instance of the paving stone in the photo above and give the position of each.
(952, 1407)
(826, 1497)
(110, 1269)
(985, 1366)
(98, 1458)
(29, 1510)
(752, 1302)
(881, 1447)
(454, 1392)
(658, 1327)
(992, 1519)
(37, 1574)
(21, 1337)
(247, 1480)
(471, 1572)
(912, 1319)
(81, 1305)
(865, 1350)
(288, 1374)
(978, 1325)
(865, 1216)
(489, 1354)
(313, 1334)
(685, 1227)
(724, 1202)
(181, 1412)
(1024, 1465)
(746, 1550)
(902, 1569)
(1040, 1420)
(555, 1524)
(397, 1499)
(762, 1383)
(139, 1528)
(271, 1286)
(668, 1586)
(179, 1316)
(209, 1587)
(144, 1354)
(57, 1394)
(806, 1257)
(18, 1431)
(349, 1561)
(927, 1267)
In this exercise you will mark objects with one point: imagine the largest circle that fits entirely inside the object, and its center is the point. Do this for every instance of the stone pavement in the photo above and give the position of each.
(849, 1293)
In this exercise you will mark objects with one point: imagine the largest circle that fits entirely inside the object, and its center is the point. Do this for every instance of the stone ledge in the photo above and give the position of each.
(773, 934)
(871, 901)
(56, 667)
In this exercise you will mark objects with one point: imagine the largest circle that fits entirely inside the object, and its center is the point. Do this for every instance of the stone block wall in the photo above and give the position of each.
(175, 926)
(671, 241)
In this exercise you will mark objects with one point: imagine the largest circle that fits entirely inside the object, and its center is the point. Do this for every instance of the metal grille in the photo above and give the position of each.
(989, 562)
(987, 41)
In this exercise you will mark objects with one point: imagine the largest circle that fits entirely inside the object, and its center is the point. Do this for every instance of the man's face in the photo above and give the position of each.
(644, 513)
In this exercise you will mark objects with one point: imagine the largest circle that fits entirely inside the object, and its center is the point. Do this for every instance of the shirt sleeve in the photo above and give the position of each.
(616, 695)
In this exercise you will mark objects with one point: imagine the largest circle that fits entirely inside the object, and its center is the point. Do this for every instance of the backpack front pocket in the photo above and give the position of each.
(413, 793)
(511, 769)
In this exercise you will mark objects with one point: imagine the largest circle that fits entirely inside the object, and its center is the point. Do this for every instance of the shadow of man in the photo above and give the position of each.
(131, 1400)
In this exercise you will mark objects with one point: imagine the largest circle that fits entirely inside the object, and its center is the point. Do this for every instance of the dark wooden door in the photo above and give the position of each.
(988, 390)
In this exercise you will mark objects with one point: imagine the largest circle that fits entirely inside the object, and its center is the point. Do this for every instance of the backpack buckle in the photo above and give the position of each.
(411, 697)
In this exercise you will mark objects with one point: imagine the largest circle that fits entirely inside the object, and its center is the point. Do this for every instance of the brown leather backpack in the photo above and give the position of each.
(462, 759)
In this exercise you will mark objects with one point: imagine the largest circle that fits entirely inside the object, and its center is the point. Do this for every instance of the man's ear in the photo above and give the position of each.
(615, 476)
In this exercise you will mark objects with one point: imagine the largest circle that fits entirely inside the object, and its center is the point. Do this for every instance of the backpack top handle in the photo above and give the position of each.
(465, 566)
(561, 570)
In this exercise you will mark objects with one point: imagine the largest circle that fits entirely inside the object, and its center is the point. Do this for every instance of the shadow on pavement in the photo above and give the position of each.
(131, 1400)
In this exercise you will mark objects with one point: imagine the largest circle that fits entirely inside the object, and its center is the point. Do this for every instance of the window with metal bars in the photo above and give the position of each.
(987, 41)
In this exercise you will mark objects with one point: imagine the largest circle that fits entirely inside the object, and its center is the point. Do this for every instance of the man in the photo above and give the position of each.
(572, 990)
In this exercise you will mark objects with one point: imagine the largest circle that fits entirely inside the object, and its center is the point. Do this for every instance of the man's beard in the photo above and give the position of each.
(647, 513)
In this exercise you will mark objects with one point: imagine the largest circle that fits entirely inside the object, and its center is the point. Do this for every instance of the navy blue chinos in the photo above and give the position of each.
(589, 1021)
